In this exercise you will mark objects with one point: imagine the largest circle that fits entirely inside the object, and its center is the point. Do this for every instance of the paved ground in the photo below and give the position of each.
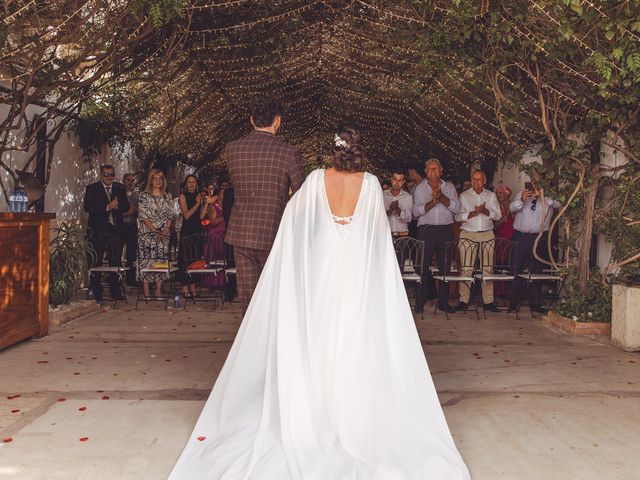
(116, 396)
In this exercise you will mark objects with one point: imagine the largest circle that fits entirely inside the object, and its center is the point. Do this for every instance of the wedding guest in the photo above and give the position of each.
(503, 229)
(415, 178)
(215, 228)
(434, 204)
(130, 228)
(190, 208)
(528, 206)
(155, 214)
(105, 201)
(398, 204)
(478, 209)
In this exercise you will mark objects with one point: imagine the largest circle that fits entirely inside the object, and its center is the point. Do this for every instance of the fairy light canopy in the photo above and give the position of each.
(328, 62)
(416, 78)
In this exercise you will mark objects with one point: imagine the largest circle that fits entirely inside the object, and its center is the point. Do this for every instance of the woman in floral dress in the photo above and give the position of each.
(155, 214)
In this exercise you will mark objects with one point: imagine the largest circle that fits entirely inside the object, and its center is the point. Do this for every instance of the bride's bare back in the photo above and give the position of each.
(343, 191)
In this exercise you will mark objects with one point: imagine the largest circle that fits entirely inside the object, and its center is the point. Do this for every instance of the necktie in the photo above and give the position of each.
(111, 220)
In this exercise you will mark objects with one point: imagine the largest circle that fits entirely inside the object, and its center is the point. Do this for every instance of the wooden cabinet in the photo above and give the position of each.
(24, 276)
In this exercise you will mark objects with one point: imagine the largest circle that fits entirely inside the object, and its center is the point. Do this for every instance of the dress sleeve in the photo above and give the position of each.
(143, 206)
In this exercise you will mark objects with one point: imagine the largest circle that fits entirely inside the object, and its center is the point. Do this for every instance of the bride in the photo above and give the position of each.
(326, 379)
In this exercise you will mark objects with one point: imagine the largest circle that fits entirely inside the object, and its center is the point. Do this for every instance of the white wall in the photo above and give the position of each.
(70, 172)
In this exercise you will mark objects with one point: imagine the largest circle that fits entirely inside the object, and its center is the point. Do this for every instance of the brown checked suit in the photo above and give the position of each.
(263, 168)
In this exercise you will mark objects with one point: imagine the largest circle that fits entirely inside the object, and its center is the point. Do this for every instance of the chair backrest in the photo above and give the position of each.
(111, 243)
(193, 247)
(501, 251)
(410, 254)
(152, 248)
(213, 248)
(459, 254)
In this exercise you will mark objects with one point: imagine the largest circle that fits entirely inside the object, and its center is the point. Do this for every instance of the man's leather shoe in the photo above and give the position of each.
(491, 307)
(462, 306)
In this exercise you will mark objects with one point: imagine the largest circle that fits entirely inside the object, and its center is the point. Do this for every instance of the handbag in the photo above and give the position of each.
(197, 265)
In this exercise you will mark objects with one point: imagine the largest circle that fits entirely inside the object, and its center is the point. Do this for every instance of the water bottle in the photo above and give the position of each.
(13, 200)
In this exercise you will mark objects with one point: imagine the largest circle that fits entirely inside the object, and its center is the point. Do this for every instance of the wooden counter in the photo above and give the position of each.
(24, 276)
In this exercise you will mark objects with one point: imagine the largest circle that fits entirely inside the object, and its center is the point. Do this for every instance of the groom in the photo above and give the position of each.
(263, 169)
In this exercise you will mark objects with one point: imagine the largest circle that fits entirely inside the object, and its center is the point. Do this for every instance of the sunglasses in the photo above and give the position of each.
(108, 175)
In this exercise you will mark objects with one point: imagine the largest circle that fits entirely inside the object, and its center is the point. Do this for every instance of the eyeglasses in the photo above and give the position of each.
(108, 175)
(534, 204)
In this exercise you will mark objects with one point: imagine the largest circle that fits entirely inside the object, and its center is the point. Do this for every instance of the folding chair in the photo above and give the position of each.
(410, 255)
(154, 258)
(530, 277)
(459, 265)
(501, 267)
(198, 247)
(110, 244)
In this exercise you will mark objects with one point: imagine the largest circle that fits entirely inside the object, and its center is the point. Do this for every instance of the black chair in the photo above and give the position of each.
(110, 263)
(154, 259)
(536, 274)
(497, 263)
(410, 255)
(202, 248)
(459, 266)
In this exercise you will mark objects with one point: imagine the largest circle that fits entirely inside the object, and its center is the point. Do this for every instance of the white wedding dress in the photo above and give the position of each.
(326, 379)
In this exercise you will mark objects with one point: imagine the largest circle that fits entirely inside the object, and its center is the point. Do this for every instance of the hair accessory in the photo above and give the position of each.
(339, 142)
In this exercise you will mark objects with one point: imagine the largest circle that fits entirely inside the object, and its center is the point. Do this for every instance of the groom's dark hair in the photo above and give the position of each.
(265, 110)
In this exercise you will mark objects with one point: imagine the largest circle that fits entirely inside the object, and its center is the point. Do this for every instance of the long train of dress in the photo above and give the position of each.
(326, 379)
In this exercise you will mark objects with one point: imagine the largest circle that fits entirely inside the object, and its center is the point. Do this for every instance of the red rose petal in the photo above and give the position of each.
(104, 397)
(69, 358)
(62, 399)
(15, 410)
(76, 373)
(7, 440)
(202, 438)
(11, 397)
(99, 391)
(82, 409)
(43, 361)
(84, 439)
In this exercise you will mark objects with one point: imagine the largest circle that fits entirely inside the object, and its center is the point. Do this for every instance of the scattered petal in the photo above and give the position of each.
(7, 440)
(202, 438)
(11, 397)
(62, 399)
(105, 397)
(82, 409)
(84, 439)
(43, 361)
(15, 410)
(76, 373)
(99, 391)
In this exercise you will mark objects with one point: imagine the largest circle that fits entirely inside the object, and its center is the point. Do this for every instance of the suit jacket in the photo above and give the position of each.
(95, 204)
(262, 169)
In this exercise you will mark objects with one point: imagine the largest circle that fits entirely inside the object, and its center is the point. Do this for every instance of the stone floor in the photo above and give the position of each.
(116, 396)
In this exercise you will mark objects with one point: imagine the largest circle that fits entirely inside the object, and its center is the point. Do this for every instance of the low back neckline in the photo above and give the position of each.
(342, 219)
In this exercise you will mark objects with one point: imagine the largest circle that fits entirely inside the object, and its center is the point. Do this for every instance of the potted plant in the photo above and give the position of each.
(69, 252)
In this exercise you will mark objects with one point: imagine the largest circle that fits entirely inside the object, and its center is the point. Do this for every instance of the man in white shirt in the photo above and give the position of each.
(479, 207)
(529, 206)
(434, 204)
(398, 204)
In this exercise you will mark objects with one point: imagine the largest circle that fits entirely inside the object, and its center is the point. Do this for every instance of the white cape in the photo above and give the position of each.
(326, 379)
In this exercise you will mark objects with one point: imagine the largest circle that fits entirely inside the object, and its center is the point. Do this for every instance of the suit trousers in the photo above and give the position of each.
(524, 256)
(129, 240)
(468, 259)
(434, 238)
(101, 249)
(249, 265)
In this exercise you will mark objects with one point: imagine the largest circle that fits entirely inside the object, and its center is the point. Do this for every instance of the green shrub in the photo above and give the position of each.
(69, 251)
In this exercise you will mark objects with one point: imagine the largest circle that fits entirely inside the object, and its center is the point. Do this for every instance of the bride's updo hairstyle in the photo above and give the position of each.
(347, 154)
